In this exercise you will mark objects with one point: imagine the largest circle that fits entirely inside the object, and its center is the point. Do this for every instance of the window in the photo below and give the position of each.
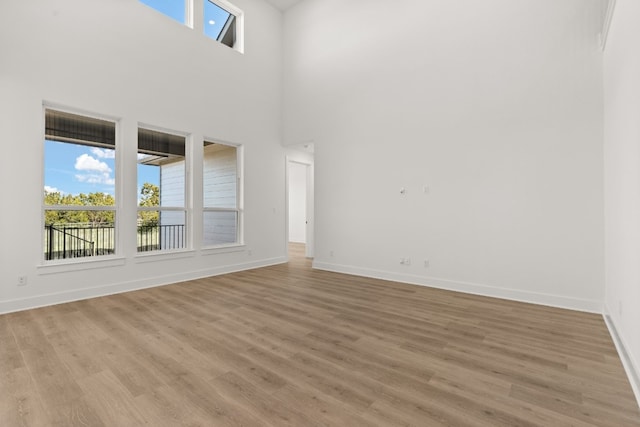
(79, 186)
(221, 195)
(161, 191)
(221, 22)
(176, 9)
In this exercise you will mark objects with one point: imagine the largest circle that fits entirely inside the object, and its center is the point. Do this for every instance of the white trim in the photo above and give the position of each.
(633, 371)
(606, 26)
(222, 249)
(86, 293)
(189, 13)
(80, 264)
(590, 306)
(286, 206)
(163, 255)
(161, 208)
(117, 209)
(80, 208)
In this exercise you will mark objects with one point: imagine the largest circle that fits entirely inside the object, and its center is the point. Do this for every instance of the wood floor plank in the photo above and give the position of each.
(289, 345)
(20, 403)
(111, 400)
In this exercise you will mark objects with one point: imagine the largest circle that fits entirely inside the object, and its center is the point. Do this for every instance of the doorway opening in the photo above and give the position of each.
(299, 208)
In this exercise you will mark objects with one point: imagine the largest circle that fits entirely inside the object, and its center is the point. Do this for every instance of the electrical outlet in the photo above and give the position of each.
(405, 261)
(426, 263)
(330, 253)
(22, 280)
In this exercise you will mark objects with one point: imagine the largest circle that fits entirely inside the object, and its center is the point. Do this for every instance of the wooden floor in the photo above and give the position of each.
(289, 346)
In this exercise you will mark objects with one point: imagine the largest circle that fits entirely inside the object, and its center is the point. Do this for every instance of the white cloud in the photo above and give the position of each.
(96, 178)
(87, 163)
(94, 170)
(103, 154)
(49, 189)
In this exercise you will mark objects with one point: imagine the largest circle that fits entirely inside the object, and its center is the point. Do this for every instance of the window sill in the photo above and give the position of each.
(163, 256)
(223, 249)
(79, 264)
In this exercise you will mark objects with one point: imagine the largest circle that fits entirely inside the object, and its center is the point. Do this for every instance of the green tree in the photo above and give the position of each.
(96, 218)
(52, 199)
(149, 197)
(78, 217)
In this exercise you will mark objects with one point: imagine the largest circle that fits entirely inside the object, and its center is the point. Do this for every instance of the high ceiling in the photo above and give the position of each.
(283, 4)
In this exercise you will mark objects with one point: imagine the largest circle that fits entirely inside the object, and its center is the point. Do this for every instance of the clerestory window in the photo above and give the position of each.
(175, 9)
(221, 20)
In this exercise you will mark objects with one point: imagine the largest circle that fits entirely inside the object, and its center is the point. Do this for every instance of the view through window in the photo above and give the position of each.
(79, 186)
(219, 24)
(221, 20)
(161, 191)
(175, 9)
(221, 214)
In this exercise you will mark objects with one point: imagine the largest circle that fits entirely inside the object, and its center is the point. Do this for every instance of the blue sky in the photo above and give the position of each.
(74, 169)
(214, 19)
(214, 16)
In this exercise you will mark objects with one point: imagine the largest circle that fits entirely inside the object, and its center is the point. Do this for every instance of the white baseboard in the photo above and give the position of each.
(628, 359)
(559, 301)
(86, 293)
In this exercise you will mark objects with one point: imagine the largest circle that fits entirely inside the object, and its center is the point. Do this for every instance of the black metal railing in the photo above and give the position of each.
(69, 242)
(157, 237)
(83, 240)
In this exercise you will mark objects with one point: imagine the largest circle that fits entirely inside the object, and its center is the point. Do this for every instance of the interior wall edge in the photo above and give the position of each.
(633, 371)
(558, 301)
(44, 300)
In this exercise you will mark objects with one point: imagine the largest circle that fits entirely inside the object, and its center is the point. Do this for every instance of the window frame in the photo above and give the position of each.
(190, 19)
(186, 209)
(239, 23)
(239, 209)
(116, 208)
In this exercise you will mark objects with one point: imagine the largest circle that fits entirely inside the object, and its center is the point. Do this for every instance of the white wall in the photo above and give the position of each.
(622, 179)
(124, 60)
(297, 202)
(496, 106)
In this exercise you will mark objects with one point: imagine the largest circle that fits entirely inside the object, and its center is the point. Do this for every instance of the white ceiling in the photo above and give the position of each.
(283, 4)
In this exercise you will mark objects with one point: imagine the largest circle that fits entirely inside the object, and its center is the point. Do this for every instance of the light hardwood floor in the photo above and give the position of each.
(289, 346)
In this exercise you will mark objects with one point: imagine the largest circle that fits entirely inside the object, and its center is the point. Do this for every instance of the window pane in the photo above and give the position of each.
(220, 173)
(161, 184)
(76, 234)
(161, 169)
(220, 228)
(161, 230)
(79, 171)
(79, 160)
(172, 8)
(219, 24)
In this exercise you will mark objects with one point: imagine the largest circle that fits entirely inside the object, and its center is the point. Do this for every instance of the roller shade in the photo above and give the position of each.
(67, 127)
(160, 143)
